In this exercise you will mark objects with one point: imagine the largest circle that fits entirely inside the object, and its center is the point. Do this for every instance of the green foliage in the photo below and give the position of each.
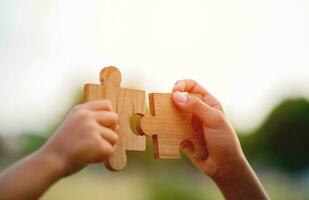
(169, 189)
(1, 145)
(283, 139)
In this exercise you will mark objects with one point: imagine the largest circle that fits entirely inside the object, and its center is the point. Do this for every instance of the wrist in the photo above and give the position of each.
(51, 162)
(233, 172)
(240, 182)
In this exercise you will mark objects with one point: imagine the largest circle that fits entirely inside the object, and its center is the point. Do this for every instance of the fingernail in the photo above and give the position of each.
(180, 97)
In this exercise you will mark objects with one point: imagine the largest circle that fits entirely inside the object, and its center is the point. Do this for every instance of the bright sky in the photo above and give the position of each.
(250, 54)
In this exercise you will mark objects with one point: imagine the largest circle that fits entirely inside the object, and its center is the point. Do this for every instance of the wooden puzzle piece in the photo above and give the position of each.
(169, 127)
(125, 102)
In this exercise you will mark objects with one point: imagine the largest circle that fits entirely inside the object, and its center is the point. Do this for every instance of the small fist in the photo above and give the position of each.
(87, 135)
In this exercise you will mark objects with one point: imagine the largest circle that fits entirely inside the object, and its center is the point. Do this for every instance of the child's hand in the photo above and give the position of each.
(87, 135)
(225, 163)
(223, 147)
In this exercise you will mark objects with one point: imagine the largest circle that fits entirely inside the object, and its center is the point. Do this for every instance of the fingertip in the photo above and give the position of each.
(179, 97)
(108, 104)
(117, 128)
(116, 117)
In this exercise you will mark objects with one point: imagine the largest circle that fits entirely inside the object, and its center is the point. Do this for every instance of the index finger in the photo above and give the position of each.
(191, 86)
(98, 105)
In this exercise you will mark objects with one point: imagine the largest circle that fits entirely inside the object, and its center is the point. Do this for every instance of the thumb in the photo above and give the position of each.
(210, 116)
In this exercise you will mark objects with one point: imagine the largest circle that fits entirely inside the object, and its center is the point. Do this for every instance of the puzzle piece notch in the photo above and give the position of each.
(169, 127)
(125, 102)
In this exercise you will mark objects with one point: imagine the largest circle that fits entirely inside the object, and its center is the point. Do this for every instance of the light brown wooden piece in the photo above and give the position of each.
(169, 127)
(125, 102)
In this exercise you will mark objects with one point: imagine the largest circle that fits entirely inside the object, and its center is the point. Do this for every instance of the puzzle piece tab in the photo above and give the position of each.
(169, 127)
(125, 102)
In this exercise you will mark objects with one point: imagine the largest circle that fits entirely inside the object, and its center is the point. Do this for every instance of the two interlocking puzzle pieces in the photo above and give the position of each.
(167, 125)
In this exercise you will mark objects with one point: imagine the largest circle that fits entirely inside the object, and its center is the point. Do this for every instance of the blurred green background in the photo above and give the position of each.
(253, 55)
(277, 150)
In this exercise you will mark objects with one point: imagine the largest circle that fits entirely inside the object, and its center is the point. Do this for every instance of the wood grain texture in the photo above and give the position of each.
(169, 127)
(125, 102)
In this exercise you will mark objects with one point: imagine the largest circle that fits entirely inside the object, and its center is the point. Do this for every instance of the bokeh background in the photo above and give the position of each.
(252, 55)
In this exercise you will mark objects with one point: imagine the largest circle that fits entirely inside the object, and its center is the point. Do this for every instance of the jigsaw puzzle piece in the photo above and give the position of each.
(169, 127)
(125, 102)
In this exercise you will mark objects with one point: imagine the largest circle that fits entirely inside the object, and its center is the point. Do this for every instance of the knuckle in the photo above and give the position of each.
(194, 103)
(96, 142)
(190, 82)
(218, 118)
(107, 103)
(82, 114)
(92, 144)
(91, 127)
